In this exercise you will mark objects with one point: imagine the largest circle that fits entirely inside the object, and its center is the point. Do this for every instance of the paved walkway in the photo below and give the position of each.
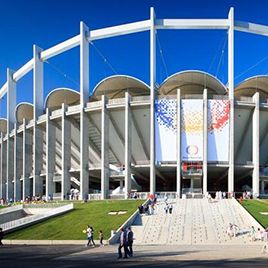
(144, 256)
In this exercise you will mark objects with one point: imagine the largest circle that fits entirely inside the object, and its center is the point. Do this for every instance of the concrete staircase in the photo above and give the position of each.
(194, 221)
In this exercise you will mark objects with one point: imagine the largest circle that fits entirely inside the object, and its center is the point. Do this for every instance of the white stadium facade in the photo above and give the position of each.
(191, 134)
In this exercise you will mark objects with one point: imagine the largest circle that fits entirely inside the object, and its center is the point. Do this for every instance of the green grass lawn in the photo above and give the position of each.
(254, 207)
(69, 226)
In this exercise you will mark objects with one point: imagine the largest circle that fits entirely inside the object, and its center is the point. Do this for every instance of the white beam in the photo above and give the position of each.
(178, 144)
(60, 48)
(205, 141)
(252, 28)
(231, 98)
(124, 29)
(84, 94)
(26, 68)
(256, 146)
(152, 99)
(192, 24)
(128, 142)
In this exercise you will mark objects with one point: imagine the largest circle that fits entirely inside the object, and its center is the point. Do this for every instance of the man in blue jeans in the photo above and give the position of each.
(123, 243)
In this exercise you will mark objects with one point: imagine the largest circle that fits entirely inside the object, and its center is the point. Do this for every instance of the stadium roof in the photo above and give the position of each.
(24, 110)
(3, 125)
(58, 96)
(252, 85)
(192, 82)
(115, 87)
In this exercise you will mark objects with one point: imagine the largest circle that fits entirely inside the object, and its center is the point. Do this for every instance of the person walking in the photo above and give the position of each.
(89, 234)
(130, 241)
(90, 239)
(123, 243)
(1, 237)
(101, 238)
(170, 208)
(92, 236)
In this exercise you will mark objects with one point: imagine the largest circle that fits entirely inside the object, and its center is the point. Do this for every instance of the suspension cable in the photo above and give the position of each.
(105, 60)
(221, 57)
(161, 55)
(57, 69)
(251, 67)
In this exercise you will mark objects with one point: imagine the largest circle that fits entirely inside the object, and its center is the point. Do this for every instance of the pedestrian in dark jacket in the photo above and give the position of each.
(1, 236)
(130, 241)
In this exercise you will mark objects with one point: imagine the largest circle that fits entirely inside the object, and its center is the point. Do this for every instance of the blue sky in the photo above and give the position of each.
(46, 23)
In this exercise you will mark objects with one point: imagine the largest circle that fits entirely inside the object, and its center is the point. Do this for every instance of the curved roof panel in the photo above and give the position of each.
(3, 125)
(115, 87)
(192, 82)
(24, 110)
(58, 96)
(254, 84)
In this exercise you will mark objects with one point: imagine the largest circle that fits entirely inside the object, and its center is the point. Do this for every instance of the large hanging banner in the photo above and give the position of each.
(165, 129)
(192, 130)
(218, 130)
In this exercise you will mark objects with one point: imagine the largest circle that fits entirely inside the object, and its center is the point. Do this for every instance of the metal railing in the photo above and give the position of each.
(243, 98)
(116, 101)
(94, 197)
(192, 172)
(56, 112)
(73, 108)
(140, 98)
(191, 190)
(42, 117)
(94, 104)
(164, 195)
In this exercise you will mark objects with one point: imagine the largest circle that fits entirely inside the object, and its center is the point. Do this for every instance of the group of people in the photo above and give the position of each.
(168, 208)
(126, 242)
(149, 208)
(258, 235)
(90, 236)
(232, 230)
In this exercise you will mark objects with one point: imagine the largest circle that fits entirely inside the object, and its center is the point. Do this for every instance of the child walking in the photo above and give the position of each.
(101, 238)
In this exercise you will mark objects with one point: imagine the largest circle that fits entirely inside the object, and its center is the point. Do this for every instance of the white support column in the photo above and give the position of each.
(11, 105)
(205, 142)
(1, 179)
(3, 166)
(128, 138)
(17, 165)
(38, 91)
(231, 99)
(256, 146)
(84, 124)
(50, 155)
(152, 100)
(65, 154)
(104, 150)
(27, 161)
(178, 187)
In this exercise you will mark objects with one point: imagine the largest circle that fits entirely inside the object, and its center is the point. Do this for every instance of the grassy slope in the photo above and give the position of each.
(254, 207)
(71, 225)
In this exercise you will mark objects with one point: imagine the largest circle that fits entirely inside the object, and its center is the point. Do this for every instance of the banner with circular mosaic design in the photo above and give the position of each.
(192, 130)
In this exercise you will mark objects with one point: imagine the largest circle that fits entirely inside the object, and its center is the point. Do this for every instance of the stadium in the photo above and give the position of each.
(189, 135)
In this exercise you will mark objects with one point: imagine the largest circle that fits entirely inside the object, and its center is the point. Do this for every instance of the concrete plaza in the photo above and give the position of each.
(144, 256)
